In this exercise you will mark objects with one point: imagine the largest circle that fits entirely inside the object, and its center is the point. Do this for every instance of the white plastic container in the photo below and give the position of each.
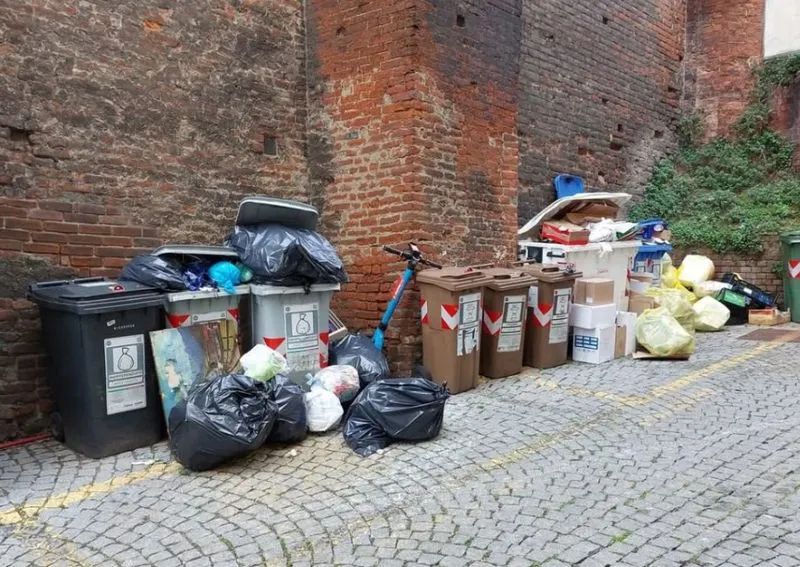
(294, 323)
(610, 260)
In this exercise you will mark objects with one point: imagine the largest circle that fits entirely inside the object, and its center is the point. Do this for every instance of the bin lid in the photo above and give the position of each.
(90, 295)
(567, 204)
(791, 237)
(507, 278)
(261, 210)
(222, 252)
(550, 273)
(454, 278)
(267, 289)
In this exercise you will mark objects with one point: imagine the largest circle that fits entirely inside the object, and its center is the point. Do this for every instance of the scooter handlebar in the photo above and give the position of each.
(391, 250)
(408, 256)
(432, 264)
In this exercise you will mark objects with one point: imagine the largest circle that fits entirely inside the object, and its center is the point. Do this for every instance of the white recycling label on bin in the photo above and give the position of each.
(468, 333)
(510, 339)
(302, 341)
(125, 385)
(559, 326)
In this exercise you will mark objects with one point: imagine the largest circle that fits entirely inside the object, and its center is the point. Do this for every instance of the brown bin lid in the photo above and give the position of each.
(506, 278)
(454, 279)
(550, 273)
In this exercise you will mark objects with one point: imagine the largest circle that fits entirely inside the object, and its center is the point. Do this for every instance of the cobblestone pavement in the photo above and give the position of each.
(627, 463)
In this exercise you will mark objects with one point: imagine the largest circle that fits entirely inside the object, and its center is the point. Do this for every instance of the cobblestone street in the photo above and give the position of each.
(626, 463)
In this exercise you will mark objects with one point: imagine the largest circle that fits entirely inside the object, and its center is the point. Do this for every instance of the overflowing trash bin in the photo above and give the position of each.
(102, 377)
(451, 304)
(505, 305)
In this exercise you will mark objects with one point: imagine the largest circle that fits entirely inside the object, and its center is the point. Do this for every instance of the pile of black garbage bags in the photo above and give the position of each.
(232, 415)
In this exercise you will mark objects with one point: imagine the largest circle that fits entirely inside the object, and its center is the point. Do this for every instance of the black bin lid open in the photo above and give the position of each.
(262, 210)
(94, 295)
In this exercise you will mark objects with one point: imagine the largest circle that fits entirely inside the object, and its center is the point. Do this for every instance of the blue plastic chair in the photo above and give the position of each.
(567, 185)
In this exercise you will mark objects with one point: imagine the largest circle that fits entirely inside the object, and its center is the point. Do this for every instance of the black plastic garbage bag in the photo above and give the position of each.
(292, 423)
(287, 256)
(155, 272)
(221, 419)
(399, 409)
(359, 352)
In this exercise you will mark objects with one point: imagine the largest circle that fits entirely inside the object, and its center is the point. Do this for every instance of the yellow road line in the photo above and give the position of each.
(30, 509)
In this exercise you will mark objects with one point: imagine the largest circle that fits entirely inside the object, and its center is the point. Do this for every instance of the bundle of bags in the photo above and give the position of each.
(670, 329)
(229, 416)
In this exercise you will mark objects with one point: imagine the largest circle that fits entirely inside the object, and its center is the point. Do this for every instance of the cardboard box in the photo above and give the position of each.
(592, 316)
(594, 345)
(592, 212)
(594, 291)
(644, 355)
(620, 341)
(768, 317)
(640, 282)
(628, 320)
(563, 232)
(639, 303)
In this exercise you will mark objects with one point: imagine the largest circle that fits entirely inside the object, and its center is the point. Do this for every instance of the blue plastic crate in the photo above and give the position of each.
(651, 226)
(648, 260)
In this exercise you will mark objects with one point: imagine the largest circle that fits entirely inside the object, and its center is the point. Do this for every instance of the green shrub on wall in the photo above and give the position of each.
(728, 194)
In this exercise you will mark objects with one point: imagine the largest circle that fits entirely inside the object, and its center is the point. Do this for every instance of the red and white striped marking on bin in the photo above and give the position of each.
(423, 311)
(449, 317)
(492, 322)
(542, 314)
(794, 269)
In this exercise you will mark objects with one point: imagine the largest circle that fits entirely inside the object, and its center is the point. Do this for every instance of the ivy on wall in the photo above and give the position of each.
(729, 193)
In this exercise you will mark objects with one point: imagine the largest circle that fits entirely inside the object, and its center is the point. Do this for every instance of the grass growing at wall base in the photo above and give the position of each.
(728, 194)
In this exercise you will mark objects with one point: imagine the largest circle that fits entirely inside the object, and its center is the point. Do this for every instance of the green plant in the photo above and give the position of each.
(728, 194)
(690, 130)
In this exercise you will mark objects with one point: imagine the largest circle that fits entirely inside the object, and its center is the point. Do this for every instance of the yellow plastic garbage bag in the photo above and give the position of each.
(669, 275)
(710, 314)
(662, 335)
(694, 270)
(677, 303)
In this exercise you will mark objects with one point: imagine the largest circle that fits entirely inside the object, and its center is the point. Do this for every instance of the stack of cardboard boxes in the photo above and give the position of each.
(600, 332)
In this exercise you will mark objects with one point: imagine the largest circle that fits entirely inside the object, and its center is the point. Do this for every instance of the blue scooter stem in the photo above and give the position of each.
(377, 336)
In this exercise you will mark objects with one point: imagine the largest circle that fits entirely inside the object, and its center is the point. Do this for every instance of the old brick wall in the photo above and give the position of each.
(127, 124)
(723, 44)
(600, 91)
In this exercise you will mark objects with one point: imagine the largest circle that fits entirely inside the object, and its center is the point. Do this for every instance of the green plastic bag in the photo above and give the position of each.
(662, 335)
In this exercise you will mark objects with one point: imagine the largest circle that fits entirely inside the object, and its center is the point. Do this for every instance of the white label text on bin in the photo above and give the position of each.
(510, 339)
(302, 341)
(559, 327)
(125, 366)
(469, 318)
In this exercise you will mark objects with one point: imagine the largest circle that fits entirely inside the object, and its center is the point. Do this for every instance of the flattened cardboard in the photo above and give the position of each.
(620, 340)
(640, 303)
(594, 291)
(644, 355)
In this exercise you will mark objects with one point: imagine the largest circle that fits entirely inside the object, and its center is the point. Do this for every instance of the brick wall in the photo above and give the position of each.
(723, 44)
(600, 87)
(124, 125)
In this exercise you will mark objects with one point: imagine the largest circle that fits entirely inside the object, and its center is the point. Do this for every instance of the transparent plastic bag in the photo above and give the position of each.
(661, 334)
(694, 270)
(676, 303)
(710, 288)
(263, 363)
(323, 410)
(710, 314)
(340, 380)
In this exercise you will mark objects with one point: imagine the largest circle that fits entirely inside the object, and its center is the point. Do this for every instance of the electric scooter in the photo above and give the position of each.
(414, 257)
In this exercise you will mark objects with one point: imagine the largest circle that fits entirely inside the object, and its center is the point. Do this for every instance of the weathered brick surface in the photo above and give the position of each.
(724, 43)
(600, 87)
(127, 124)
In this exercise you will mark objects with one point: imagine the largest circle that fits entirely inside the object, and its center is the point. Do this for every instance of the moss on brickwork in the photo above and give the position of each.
(728, 194)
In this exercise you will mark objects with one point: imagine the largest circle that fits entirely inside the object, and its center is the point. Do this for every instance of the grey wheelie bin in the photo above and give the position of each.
(101, 371)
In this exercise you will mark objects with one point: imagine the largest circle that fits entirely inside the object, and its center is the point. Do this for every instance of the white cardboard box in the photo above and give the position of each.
(594, 345)
(592, 316)
(628, 320)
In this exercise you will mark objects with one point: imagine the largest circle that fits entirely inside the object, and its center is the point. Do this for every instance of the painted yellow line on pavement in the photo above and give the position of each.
(30, 509)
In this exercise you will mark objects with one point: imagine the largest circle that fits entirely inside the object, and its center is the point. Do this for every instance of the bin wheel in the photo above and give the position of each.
(57, 426)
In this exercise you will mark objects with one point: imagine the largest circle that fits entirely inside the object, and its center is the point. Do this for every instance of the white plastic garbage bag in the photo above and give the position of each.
(324, 411)
(710, 288)
(695, 270)
(263, 363)
(710, 314)
(340, 379)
